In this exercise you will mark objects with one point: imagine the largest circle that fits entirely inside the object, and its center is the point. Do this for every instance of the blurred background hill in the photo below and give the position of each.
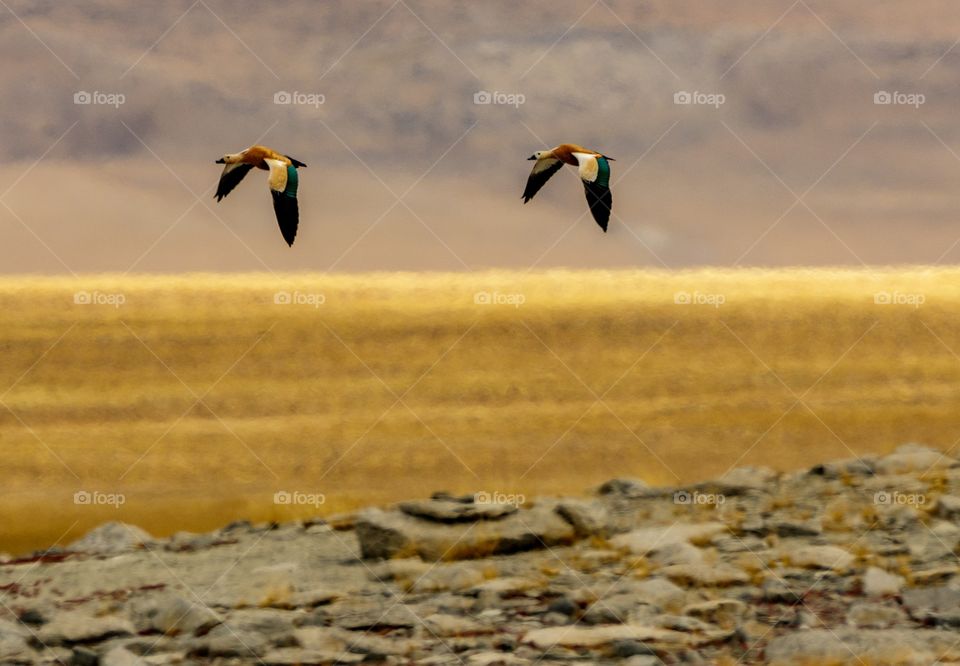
(116, 187)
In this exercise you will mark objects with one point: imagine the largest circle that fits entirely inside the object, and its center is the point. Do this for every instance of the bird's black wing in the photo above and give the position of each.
(600, 201)
(231, 176)
(542, 171)
(288, 214)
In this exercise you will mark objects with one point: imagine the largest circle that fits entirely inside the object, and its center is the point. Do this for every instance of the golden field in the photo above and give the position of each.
(198, 397)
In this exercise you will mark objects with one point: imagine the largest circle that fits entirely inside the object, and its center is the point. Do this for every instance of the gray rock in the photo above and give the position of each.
(370, 614)
(450, 511)
(169, 613)
(913, 458)
(819, 557)
(948, 507)
(592, 637)
(224, 641)
(646, 539)
(745, 479)
(703, 575)
(294, 656)
(630, 488)
(71, 627)
(112, 538)
(676, 553)
(587, 518)
(888, 647)
(786, 527)
(879, 583)
(869, 615)
(13, 641)
(722, 612)
(450, 577)
(936, 605)
(864, 466)
(386, 534)
(120, 656)
(660, 592)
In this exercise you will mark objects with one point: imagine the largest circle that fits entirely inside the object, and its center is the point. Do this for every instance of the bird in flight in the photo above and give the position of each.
(594, 171)
(282, 180)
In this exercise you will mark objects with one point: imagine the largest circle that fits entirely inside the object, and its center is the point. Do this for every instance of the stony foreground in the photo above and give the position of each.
(850, 562)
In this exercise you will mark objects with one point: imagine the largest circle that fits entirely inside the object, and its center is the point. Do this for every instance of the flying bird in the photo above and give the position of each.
(594, 170)
(282, 179)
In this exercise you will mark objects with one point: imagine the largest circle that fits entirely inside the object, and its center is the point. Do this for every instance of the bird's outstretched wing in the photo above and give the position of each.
(595, 174)
(542, 170)
(231, 176)
(283, 180)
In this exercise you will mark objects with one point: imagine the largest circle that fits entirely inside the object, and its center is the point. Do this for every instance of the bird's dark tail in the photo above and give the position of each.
(296, 163)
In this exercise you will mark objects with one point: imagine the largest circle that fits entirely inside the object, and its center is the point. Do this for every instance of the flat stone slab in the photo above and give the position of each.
(451, 511)
(388, 534)
(648, 539)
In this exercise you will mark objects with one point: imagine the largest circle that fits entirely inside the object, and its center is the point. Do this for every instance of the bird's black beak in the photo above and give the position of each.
(220, 161)
(532, 157)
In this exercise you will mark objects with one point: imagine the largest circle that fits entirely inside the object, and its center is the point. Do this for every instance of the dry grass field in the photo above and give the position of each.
(197, 398)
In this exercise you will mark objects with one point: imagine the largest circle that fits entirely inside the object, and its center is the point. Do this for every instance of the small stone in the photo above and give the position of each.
(77, 627)
(624, 488)
(819, 557)
(935, 605)
(120, 656)
(171, 614)
(722, 612)
(794, 528)
(587, 518)
(631, 648)
(442, 624)
(647, 539)
(867, 615)
(448, 578)
(851, 466)
(948, 507)
(676, 553)
(591, 637)
(869, 646)
(84, 656)
(659, 592)
(227, 642)
(563, 606)
(879, 583)
(705, 575)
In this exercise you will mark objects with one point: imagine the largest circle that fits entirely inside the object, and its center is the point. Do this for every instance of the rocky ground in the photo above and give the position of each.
(849, 562)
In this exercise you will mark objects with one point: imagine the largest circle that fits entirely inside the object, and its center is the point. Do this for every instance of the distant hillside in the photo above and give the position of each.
(397, 82)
